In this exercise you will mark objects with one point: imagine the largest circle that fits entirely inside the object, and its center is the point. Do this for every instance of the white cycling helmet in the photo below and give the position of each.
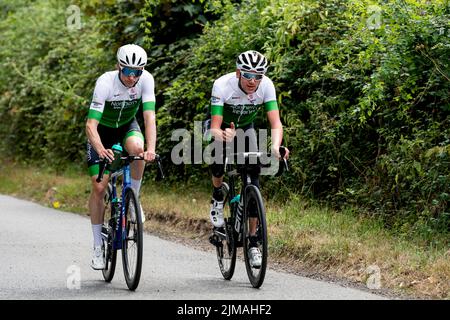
(131, 55)
(252, 61)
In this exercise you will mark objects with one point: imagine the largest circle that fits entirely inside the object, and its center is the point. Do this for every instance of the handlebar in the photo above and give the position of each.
(282, 154)
(247, 155)
(126, 160)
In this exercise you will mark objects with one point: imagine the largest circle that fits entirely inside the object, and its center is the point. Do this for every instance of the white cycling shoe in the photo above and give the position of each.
(98, 258)
(255, 257)
(216, 213)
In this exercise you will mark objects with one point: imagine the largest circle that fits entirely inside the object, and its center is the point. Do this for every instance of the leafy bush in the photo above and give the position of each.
(48, 78)
(363, 88)
(355, 82)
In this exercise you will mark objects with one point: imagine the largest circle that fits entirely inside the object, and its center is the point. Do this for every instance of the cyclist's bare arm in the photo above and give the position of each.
(216, 123)
(276, 131)
(150, 135)
(94, 139)
(219, 134)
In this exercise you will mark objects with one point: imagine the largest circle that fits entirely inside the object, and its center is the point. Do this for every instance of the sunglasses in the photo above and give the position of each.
(250, 76)
(127, 72)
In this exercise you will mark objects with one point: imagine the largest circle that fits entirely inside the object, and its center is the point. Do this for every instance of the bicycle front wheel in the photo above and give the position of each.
(226, 248)
(255, 225)
(132, 243)
(108, 230)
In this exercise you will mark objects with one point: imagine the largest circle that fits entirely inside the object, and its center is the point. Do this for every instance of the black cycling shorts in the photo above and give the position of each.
(251, 145)
(109, 137)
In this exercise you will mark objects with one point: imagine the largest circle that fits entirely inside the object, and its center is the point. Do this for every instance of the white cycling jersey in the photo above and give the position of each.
(113, 104)
(231, 102)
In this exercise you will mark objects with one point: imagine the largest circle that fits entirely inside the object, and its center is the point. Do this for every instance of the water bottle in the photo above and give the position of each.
(239, 210)
(117, 149)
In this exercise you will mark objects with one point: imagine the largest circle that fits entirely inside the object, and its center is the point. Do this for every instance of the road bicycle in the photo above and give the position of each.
(242, 212)
(123, 226)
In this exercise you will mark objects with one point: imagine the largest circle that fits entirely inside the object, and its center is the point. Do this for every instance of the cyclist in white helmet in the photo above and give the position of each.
(236, 99)
(117, 98)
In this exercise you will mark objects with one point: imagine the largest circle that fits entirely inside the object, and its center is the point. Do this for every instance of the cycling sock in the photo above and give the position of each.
(218, 194)
(97, 231)
(136, 185)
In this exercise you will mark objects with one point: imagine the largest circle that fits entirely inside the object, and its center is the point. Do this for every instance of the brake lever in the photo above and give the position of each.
(282, 151)
(102, 168)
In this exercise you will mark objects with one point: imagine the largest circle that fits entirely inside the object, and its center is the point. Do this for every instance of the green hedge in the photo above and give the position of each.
(363, 88)
(364, 94)
(49, 71)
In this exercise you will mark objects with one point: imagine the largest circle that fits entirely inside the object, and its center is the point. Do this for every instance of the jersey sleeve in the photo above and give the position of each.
(148, 93)
(99, 97)
(217, 101)
(270, 97)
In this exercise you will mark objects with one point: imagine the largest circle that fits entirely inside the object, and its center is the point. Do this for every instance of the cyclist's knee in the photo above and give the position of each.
(136, 149)
(134, 146)
(98, 188)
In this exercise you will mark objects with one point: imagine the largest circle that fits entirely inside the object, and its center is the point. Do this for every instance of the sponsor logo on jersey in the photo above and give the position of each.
(243, 109)
(96, 105)
(214, 99)
(122, 104)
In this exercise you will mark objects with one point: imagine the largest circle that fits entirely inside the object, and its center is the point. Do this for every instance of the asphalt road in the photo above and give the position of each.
(45, 254)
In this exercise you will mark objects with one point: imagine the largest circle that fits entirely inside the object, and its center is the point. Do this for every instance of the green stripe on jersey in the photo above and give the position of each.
(149, 106)
(94, 114)
(216, 110)
(271, 105)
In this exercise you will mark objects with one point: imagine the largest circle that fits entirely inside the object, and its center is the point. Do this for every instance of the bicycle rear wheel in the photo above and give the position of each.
(254, 204)
(132, 242)
(108, 230)
(226, 248)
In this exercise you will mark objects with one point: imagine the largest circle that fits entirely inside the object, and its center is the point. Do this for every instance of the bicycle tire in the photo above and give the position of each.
(226, 251)
(110, 254)
(132, 234)
(253, 198)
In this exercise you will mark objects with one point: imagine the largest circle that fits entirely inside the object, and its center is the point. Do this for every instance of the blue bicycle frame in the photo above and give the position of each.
(119, 208)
